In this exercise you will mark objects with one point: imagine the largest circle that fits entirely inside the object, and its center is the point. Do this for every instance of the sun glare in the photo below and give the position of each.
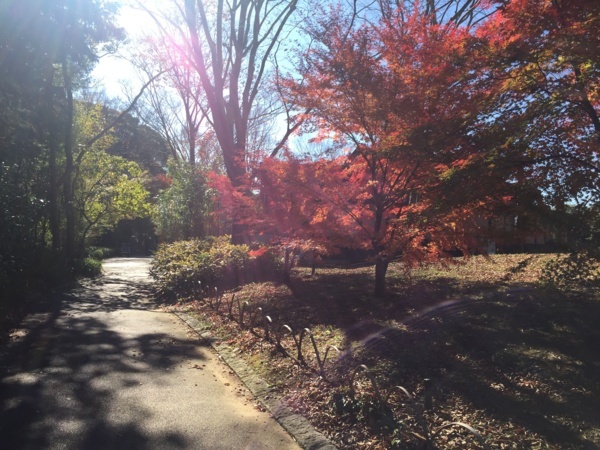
(135, 20)
(114, 71)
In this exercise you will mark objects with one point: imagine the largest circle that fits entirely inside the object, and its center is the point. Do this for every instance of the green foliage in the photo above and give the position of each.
(182, 268)
(574, 270)
(100, 253)
(183, 208)
(108, 188)
(21, 228)
(89, 267)
(48, 49)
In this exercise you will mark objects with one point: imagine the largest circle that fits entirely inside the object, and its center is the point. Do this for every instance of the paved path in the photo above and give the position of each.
(103, 368)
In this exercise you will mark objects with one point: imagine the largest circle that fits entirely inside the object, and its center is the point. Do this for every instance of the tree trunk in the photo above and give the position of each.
(69, 168)
(287, 267)
(53, 148)
(231, 69)
(53, 195)
(236, 171)
(382, 261)
(239, 232)
(381, 266)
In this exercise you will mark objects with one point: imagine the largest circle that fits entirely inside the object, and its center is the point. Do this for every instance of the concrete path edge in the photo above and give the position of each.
(296, 425)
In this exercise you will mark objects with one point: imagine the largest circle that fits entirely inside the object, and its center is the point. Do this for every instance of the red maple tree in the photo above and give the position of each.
(545, 114)
(402, 97)
(438, 122)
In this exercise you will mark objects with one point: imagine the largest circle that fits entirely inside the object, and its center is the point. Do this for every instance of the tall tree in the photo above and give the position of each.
(46, 47)
(174, 104)
(106, 188)
(85, 26)
(230, 44)
(68, 35)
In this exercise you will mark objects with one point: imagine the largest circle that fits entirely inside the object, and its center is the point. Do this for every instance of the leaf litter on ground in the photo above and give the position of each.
(481, 341)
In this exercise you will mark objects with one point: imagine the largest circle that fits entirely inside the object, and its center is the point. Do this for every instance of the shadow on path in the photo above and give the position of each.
(60, 381)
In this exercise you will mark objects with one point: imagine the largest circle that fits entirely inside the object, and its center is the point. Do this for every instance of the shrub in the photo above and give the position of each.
(100, 253)
(89, 267)
(182, 267)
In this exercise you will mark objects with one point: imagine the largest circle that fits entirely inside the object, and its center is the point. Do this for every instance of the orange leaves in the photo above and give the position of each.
(320, 215)
(163, 181)
(424, 112)
(224, 192)
(366, 202)
(232, 203)
(261, 251)
(545, 53)
(403, 95)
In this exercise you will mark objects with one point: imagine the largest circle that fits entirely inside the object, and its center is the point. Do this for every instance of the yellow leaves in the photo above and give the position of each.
(447, 174)
(90, 120)
(320, 216)
(110, 188)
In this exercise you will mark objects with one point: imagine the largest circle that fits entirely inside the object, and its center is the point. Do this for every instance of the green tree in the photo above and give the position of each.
(183, 208)
(48, 49)
(107, 188)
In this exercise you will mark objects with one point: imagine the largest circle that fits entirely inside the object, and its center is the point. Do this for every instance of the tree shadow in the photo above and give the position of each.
(59, 383)
(343, 299)
(529, 358)
(518, 354)
(93, 295)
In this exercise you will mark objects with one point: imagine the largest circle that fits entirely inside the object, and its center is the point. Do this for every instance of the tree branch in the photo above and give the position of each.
(117, 119)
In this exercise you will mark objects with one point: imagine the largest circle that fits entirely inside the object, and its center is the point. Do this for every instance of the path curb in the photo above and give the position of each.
(296, 425)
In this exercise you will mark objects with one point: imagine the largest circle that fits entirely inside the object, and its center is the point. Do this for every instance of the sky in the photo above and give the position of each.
(114, 74)
(112, 70)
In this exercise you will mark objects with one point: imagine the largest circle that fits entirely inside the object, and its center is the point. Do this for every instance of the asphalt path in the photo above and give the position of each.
(102, 367)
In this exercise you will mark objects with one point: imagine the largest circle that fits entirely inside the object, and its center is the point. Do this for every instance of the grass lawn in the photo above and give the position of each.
(481, 342)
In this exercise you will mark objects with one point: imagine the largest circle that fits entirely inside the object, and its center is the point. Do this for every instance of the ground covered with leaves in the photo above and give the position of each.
(479, 354)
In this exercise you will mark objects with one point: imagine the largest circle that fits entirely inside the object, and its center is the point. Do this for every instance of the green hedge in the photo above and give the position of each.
(185, 268)
(181, 268)
(89, 267)
(100, 253)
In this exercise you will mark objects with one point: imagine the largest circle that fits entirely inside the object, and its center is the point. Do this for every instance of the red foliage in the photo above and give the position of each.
(257, 253)
(435, 120)
(233, 203)
(546, 109)
(403, 98)
(163, 181)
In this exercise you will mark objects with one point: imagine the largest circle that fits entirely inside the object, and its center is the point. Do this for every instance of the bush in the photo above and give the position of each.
(183, 267)
(89, 267)
(100, 253)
